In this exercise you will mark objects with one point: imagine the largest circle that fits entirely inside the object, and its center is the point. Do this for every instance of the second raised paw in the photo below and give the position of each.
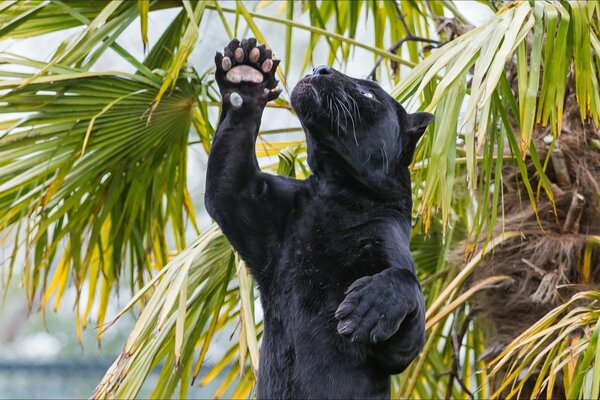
(375, 307)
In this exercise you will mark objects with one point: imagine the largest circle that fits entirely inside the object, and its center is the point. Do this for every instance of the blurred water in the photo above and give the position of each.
(65, 380)
(74, 379)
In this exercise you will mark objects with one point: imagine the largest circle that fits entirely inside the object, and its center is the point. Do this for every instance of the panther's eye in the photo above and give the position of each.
(368, 94)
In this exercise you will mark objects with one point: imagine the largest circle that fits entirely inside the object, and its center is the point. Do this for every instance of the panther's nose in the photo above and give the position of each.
(322, 70)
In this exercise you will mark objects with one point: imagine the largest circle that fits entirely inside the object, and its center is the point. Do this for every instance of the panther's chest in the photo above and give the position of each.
(335, 243)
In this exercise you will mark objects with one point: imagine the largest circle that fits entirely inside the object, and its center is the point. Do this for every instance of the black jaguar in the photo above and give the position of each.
(343, 309)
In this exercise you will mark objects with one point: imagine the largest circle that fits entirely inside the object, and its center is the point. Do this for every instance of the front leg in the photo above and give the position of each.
(241, 199)
(386, 311)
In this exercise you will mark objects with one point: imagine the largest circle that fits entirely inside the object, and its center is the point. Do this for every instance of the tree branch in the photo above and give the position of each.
(396, 46)
(457, 339)
(560, 168)
(574, 214)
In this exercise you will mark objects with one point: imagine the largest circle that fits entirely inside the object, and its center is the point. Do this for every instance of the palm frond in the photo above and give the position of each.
(106, 192)
(563, 343)
(201, 291)
(514, 38)
(29, 18)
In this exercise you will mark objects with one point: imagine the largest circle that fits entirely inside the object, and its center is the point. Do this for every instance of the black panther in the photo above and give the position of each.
(343, 309)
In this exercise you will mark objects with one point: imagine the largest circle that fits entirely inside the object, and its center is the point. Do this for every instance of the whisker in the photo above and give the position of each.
(347, 112)
(385, 156)
(356, 110)
(341, 104)
(338, 116)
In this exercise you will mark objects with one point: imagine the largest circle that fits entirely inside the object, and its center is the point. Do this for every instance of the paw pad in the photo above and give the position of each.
(239, 54)
(254, 55)
(244, 73)
(236, 100)
(226, 63)
(267, 65)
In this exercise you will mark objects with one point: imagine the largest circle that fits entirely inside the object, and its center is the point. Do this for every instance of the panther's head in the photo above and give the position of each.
(355, 129)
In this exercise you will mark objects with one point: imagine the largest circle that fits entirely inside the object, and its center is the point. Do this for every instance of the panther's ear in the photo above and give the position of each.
(414, 127)
(417, 123)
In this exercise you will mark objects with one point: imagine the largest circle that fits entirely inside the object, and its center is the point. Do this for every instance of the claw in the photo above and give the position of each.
(226, 63)
(267, 65)
(254, 55)
(239, 54)
(344, 329)
(273, 93)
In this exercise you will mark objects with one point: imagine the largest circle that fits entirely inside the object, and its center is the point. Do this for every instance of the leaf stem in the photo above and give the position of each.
(323, 32)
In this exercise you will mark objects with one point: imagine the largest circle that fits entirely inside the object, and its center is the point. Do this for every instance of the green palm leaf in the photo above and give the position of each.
(85, 169)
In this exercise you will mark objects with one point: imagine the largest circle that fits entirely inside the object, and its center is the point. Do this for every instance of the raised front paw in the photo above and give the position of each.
(375, 306)
(245, 72)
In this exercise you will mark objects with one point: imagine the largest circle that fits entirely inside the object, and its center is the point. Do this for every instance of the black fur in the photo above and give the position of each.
(342, 307)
